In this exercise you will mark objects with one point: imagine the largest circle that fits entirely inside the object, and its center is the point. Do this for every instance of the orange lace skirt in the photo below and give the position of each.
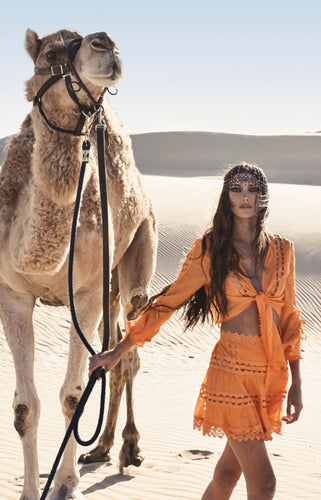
(241, 396)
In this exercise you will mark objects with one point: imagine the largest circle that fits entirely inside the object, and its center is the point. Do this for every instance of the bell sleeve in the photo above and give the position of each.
(290, 321)
(193, 275)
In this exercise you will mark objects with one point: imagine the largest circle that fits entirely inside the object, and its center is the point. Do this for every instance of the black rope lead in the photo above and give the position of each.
(86, 149)
(101, 129)
(99, 372)
(73, 426)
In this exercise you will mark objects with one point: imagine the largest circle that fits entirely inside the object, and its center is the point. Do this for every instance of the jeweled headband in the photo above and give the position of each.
(246, 173)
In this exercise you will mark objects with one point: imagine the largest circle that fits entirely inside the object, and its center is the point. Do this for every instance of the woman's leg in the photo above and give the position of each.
(226, 474)
(257, 468)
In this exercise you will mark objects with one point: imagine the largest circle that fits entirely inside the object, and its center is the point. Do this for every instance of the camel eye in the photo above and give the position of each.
(51, 56)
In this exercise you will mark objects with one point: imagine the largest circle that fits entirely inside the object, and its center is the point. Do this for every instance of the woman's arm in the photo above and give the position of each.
(194, 274)
(109, 359)
(295, 394)
(292, 333)
(290, 320)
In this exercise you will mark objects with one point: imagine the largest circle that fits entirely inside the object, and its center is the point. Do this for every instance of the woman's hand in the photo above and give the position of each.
(295, 400)
(109, 359)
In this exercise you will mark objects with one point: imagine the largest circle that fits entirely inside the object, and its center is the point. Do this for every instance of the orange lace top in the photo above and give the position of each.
(278, 295)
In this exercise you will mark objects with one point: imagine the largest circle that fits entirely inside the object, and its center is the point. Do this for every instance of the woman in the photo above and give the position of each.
(243, 278)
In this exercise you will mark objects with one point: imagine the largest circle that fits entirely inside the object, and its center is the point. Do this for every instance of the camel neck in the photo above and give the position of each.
(56, 162)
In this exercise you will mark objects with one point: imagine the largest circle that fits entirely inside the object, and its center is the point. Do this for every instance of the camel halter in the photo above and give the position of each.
(66, 71)
(93, 113)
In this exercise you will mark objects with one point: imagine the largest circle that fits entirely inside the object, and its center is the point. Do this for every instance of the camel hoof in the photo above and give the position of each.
(138, 302)
(130, 455)
(98, 454)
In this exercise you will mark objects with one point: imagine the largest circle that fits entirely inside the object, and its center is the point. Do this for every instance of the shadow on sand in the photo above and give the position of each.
(106, 482)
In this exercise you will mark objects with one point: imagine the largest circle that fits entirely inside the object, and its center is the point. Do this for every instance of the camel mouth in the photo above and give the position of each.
(107, 81)
(117, 70)
(113, 73)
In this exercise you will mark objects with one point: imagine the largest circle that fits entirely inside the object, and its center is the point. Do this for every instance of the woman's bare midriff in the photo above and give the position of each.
(246, 323)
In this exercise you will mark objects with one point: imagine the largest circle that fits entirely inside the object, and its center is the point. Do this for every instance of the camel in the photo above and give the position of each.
(38, 182)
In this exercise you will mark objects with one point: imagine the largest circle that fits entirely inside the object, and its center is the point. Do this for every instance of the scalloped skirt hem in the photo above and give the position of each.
(237, 434)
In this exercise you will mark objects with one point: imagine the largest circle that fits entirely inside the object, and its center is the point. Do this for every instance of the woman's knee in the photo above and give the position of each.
(270, 485)
(226, 477)
(262, 487)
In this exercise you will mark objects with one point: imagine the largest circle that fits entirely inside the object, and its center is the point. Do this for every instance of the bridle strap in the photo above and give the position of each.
(45, 87)
(74, 72)
(65, 71)
(58, 70)
(37, 102)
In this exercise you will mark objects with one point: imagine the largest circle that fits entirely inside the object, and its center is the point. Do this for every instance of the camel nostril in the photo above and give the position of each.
(99, 45)
(102, 42)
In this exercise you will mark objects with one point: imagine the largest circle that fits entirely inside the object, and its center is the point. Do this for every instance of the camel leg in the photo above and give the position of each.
(135, 273)
(125, 371)
(16, 315)
(122, 373)
(101, 453)
(130, 453)
(136, 270)
(89, 315)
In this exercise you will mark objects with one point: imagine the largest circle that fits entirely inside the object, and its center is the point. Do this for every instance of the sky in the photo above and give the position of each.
(232, 66)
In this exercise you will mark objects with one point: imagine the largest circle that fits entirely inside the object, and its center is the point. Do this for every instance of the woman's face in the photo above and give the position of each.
(243, 195)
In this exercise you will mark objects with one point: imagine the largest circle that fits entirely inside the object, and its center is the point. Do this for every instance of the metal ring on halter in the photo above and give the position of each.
(112, 93)
(74, 82)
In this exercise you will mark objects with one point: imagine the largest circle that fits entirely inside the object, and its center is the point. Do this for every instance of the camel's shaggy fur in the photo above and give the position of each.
(38, 183)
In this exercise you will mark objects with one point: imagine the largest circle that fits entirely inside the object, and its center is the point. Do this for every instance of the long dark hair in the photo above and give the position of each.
(223, 254)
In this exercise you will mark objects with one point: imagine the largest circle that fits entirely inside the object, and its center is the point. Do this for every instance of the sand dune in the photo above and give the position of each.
(294, 159)
(179, 461)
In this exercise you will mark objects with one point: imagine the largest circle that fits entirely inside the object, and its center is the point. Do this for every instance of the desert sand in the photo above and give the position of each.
(179, 460)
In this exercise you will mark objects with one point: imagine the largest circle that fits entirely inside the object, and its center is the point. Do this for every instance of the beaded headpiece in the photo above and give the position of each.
(246, 173)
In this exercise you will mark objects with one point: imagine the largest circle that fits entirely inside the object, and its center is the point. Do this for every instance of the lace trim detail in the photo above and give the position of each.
(249, 433)
(292, 339)
(293, 357)
(301, 322)
(280, 264)
(243, 338)
(237, 283)
(239, 400)
(238, 366)
(297, 329)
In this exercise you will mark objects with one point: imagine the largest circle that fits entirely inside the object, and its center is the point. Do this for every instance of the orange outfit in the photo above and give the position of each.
(246, 381)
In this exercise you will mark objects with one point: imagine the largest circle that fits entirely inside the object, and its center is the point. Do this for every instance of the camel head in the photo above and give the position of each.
(96, 61)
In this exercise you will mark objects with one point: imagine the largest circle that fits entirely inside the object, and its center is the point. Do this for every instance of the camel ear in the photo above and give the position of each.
(32, 44)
